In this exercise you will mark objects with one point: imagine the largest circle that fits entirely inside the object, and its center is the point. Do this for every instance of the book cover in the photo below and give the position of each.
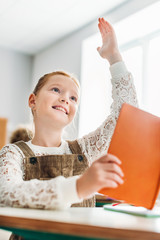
(136, 142)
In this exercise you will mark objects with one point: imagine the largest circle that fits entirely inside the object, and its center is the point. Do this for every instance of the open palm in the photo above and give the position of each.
(109, 48)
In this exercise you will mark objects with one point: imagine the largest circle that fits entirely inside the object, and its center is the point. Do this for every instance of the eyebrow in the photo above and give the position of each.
(60, 85)
(55, 84)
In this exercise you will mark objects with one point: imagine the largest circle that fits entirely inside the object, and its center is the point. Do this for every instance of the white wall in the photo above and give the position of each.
(15, 81)
(66, 53)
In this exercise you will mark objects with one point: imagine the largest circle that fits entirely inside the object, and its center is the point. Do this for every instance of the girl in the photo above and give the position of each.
(48, 172)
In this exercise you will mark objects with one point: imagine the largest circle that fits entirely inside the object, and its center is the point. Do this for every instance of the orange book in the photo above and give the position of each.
(136, 142)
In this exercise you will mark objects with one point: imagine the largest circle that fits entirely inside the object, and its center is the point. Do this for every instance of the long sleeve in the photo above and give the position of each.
(123, 91)
(48, 194)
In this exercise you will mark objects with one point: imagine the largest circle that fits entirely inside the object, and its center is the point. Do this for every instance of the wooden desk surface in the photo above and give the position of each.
(84, 222)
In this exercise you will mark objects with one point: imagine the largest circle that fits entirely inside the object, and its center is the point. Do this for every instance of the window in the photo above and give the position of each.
(139, 42)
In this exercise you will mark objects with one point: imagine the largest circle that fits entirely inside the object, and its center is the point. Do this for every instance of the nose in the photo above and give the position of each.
(63, 99)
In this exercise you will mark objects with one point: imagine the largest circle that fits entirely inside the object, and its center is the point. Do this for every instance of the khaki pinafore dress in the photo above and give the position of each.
(50, 166)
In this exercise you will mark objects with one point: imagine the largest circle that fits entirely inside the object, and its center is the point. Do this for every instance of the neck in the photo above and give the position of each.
(47, 137)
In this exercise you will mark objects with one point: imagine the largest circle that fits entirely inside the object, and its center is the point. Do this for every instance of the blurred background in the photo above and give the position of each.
(40, 36)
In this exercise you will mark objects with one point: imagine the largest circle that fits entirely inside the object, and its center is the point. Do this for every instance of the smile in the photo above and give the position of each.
(60, 108)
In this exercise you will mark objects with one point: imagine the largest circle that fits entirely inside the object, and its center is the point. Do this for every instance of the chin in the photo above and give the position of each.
(59, 122)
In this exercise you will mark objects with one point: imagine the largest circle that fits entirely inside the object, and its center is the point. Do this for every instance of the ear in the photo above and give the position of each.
(32, 101)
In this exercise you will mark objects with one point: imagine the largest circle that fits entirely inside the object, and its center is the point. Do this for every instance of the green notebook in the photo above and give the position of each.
(137, 211)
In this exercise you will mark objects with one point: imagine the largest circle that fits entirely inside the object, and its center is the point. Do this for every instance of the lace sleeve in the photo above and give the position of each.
(96, 142)
(16, 192)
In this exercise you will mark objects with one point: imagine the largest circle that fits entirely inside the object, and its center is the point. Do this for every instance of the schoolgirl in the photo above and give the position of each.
(51, 173)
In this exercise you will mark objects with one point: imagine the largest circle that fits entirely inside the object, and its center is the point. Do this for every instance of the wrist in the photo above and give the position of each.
(83, 189)
(79, 185)
(114, 58)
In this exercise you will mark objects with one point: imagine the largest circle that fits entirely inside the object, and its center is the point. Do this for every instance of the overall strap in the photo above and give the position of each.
(74, 147)
(27, 151)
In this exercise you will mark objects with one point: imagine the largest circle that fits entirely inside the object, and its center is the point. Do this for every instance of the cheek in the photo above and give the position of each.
(74, 110)
(41, 105)
(45, 102)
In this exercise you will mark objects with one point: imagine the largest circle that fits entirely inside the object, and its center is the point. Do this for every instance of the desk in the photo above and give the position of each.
(78, 223)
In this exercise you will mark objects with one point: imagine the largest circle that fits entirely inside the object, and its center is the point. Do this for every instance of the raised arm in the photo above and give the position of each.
(123, 90)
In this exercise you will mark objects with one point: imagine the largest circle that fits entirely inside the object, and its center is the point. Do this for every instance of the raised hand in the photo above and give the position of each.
(109, 48)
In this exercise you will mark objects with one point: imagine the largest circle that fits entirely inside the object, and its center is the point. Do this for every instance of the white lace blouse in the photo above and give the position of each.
(60, 192)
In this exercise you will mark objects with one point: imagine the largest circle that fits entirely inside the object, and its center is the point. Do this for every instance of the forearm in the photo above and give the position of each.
(123, 88)
(57, 193)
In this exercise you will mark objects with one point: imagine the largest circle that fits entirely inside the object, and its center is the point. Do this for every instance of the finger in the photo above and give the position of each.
(110, 158)
(114, 177)
(114, 168)
(107, 25)
(104, 24)
(98, 49)
(102, 31)
(110, 184)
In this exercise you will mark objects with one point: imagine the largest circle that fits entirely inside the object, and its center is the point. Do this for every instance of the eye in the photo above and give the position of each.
(74, 99)
(55, 89)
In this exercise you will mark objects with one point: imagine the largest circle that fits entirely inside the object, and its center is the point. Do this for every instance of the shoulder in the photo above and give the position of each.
(11, 149)
(11, 162)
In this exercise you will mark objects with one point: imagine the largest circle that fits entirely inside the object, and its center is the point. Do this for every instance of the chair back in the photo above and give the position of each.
(3, 131)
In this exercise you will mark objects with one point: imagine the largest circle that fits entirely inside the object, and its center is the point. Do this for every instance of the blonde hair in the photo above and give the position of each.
(42, 81)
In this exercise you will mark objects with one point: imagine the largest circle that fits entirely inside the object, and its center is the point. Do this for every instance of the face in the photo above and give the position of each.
(57, 101)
